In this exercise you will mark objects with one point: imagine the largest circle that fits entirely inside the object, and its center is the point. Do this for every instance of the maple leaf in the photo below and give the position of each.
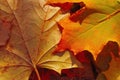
(30, 39)
(98, 24)
(88, 71)
(108, 61)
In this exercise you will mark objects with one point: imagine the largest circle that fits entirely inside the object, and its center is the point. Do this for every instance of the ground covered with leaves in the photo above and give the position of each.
(59, 39)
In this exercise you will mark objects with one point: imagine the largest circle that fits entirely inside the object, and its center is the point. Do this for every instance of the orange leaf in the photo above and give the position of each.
(94, 29)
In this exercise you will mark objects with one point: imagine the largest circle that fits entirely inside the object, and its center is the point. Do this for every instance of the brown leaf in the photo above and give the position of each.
(32, 35)
(108, 61)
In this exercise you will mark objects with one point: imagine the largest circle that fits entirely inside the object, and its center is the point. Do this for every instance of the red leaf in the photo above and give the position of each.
(108, 61)
(89, 72)
(104, 57)
(86, 58)
(75, 9)
(65, 7)
(46, 74)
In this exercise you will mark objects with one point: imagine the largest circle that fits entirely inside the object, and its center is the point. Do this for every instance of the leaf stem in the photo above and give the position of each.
(109, 16)
(37, 73)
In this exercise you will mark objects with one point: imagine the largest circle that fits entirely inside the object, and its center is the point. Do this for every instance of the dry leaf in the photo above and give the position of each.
(108, 61)
(96, 26)
(31, 35)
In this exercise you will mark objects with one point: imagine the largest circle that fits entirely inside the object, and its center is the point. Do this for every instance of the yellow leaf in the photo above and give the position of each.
(96, 26)
(31, 40)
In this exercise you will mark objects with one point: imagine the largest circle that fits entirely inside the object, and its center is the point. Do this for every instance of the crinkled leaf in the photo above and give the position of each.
(30, 36)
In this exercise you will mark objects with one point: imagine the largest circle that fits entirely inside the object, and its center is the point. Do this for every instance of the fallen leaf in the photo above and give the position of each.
(89, 64)
(46, 74)
(105, 6)
(75, 9)
(108, 61)
(88, 72)
(32, 35)
(96, 26)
